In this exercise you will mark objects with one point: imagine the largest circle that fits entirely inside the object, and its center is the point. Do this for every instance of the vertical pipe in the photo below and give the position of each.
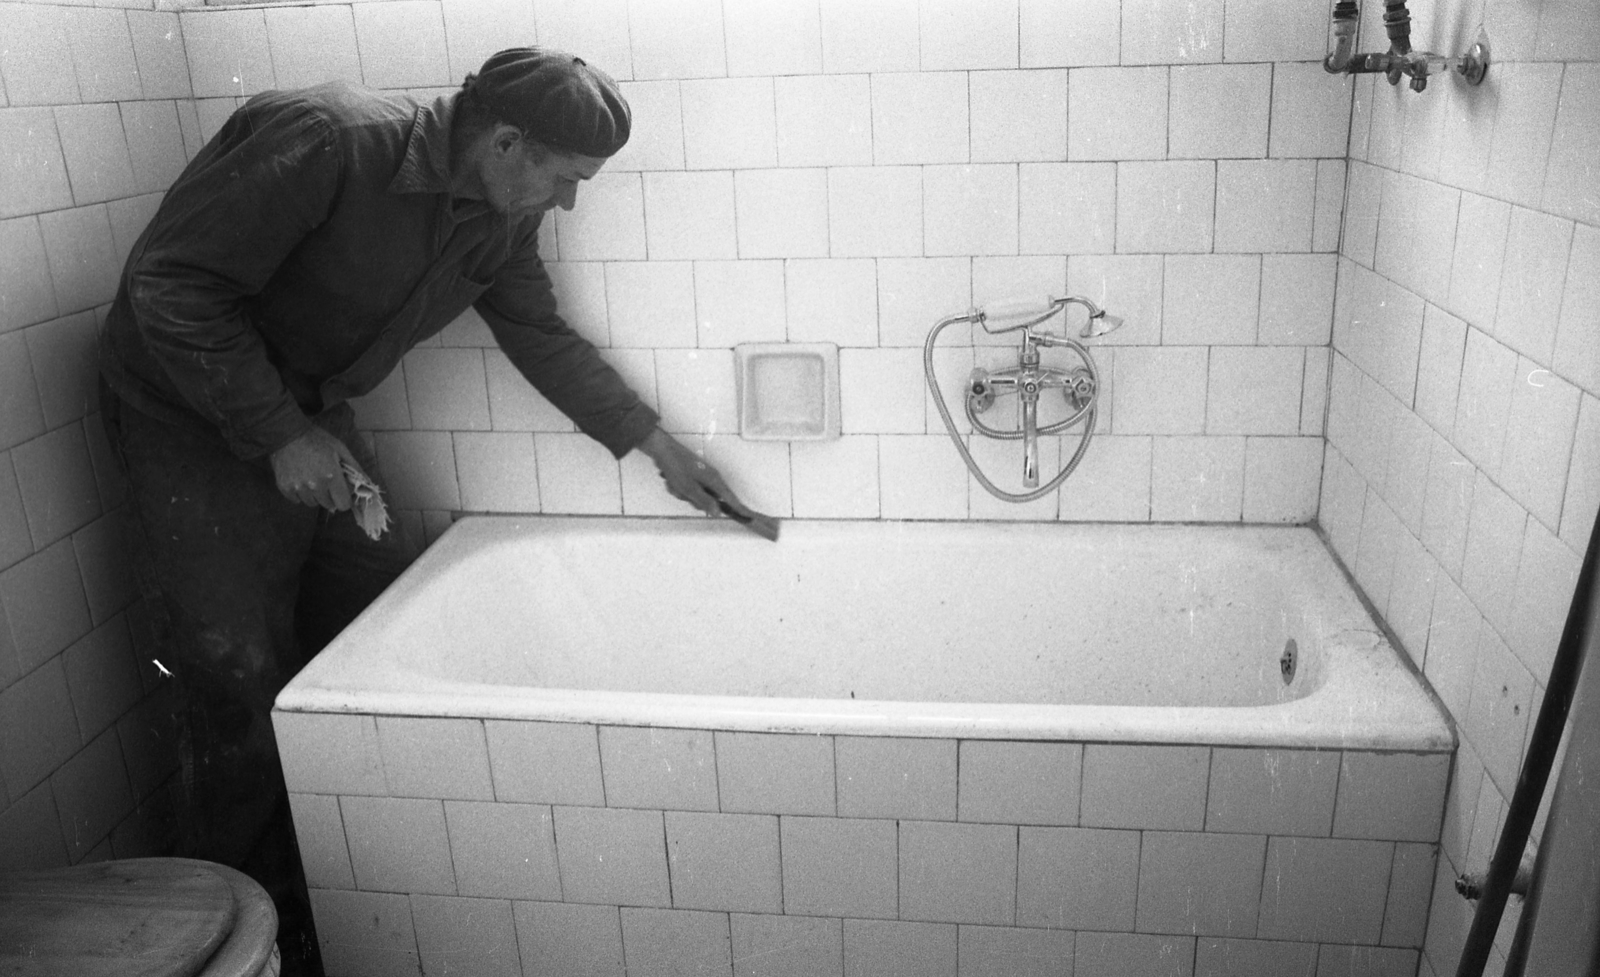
(1535, 771)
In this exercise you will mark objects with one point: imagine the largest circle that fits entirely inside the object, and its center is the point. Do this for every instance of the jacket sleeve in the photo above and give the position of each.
(255, 191)
(520, 308)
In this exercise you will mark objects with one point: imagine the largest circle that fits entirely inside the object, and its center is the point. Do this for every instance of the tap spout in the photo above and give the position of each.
(1345, 24)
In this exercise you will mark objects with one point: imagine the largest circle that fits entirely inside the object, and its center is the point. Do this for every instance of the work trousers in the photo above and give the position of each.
(242, 588)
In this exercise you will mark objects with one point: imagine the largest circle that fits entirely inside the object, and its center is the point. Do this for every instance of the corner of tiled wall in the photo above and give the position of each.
(93, 117)
(1463, 435)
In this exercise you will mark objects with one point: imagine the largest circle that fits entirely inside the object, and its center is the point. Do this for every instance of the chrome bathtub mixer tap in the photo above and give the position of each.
(1080, 385)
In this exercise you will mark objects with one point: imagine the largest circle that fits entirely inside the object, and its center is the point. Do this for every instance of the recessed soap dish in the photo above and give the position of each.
(788, 391)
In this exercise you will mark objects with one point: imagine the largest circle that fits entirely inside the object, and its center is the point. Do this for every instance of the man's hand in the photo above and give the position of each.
(308, 470)
(687, 476)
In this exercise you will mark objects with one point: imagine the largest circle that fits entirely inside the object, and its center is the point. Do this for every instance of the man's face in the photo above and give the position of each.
(520, 176)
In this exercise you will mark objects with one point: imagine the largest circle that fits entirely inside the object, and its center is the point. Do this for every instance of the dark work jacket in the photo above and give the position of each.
(309, 245)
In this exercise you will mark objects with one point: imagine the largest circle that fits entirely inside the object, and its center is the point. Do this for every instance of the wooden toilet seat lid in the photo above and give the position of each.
(146, 917)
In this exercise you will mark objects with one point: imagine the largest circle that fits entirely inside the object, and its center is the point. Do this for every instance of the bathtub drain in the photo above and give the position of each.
(1287, 662)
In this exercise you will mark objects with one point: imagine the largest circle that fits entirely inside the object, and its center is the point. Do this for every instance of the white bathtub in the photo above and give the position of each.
(1169, 634)
(562, 744)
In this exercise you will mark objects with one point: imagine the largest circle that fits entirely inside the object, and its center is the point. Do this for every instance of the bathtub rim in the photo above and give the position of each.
(1390, 721)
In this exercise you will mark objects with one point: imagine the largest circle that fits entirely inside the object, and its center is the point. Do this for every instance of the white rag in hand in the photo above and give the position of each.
(367, 506)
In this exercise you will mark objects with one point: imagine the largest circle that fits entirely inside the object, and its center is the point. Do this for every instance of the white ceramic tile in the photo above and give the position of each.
(1343, 499)
(915, 293)
(1382, 333)
(158, 51)
(155, 145)
(1406, 468)
(1444, 340)
(832, 300)
(921, 477)
(1154, 32)
(365, 932)
(82, 264)
(1055, 36)
(44, 598)
(1112, 483)
(473, 936)
(311, 45)
(556, 763)
(1494, 545)
(1325, 889)
(608, 224)
(27, 296)
(1411, 594)
(1476, 266)
(402, 44)
(558, 938)
(1265, 205)
(189, 123)
(958, 873)
(1546, 585)
(680, 39)
(612, 856)
(970, 209)
(690, 215)
(1199, 883)
(498, 472)
(1329, 207)
(319, 832)
(697, 391)
(836, 479)
(649, 767)
(228, 52)
(589, 28)
(959, 35)
(1570, 189)
(995, 951)
(445, 758)
(1197, 479)
(1219, 111)
(1523, 130)
(1107, 954)
(65, 367)
(1144, 786)
(1391, 796)
(773, 37)
(1067, 208)
(839, 867)
(1483, 405)
(92, 795)
(1379, 550)
(739, 302)
(447, 389)
(1310, 111)
(1544, 416)
(1577, 353)
(1019, 783)
(398, 844)
(1263, 791)
(1129, 286)
(1218, 956)
(1117, 113)
(102, 52)
(656, 139)
(36, 717)
(1282, 478)
(1254, 390)
(660, 941)
(1447, 505)
(729, 123)
(1583, 478)
(1160, 390)
(1537, 252)
(891, 777)
(824, 120)
(919, 117)
(39, 72)
(1296, 298)
(1314, 405)
(787, 946)
(577, 475)
(875, 211)
(782, 213)
(1497, 719)
(1165, 207)
(881, 391)
(475, 30)
(1019, 115)
(651, 304)
(503, 850)
(15, 543)
(1211, 299)
(724, 861)
(102, 677)
(1260, 30)
(770, 773)
(324, 753)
